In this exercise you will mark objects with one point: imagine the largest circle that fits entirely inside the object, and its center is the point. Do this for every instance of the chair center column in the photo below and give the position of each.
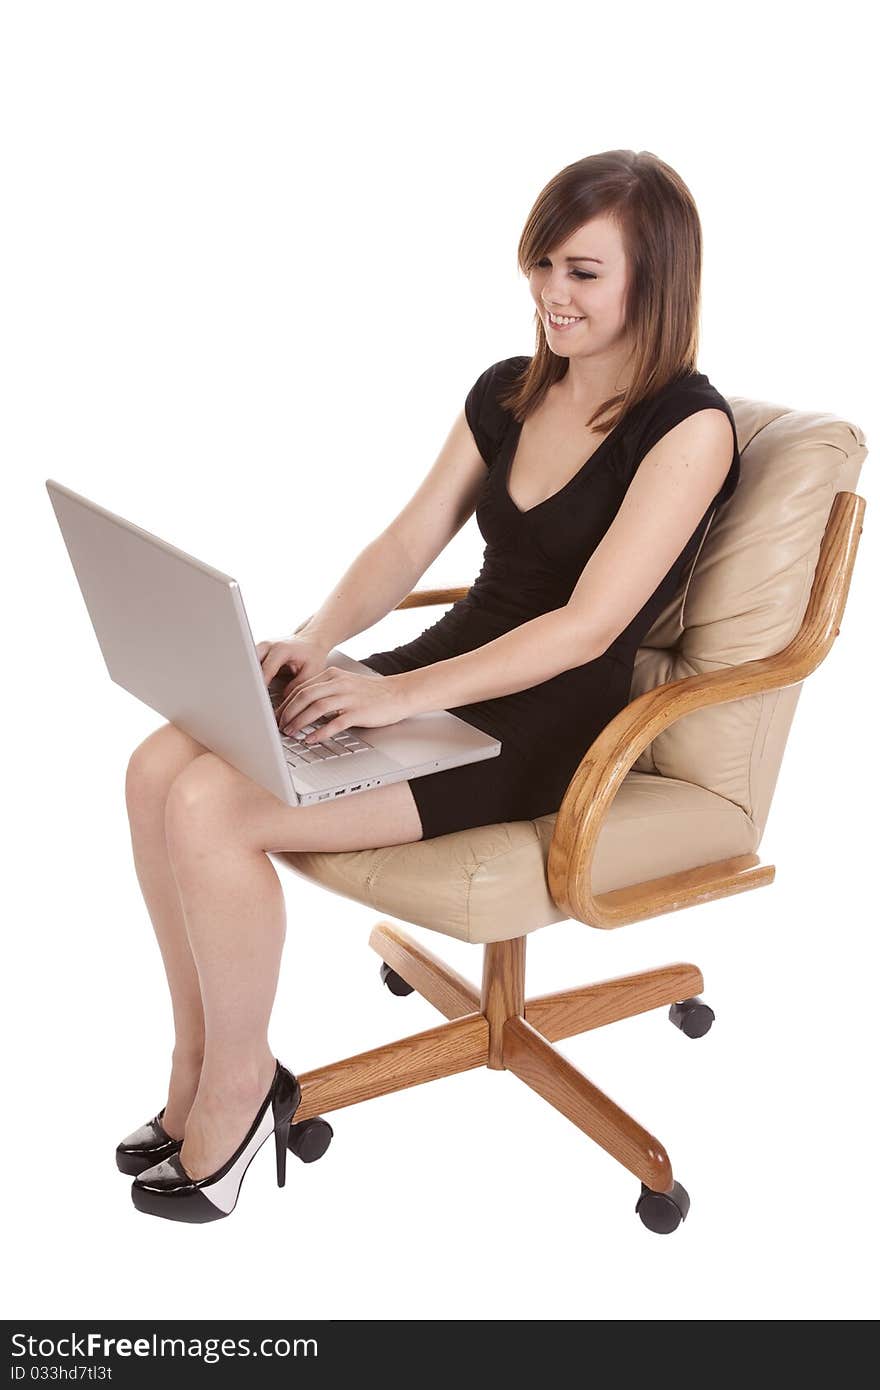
(503, 991)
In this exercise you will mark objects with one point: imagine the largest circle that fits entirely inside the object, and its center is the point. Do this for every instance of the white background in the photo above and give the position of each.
(188, 188)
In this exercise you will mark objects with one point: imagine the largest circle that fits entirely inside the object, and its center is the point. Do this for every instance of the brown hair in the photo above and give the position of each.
(662, 240)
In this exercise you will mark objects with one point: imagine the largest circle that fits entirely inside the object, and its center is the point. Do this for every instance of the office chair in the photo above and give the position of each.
(665, 811)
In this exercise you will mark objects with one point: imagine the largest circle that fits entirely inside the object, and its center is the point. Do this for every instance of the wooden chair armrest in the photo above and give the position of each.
(418, 598)
(611, 755)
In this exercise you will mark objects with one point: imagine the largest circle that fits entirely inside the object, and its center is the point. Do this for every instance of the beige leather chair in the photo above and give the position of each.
(666, 810)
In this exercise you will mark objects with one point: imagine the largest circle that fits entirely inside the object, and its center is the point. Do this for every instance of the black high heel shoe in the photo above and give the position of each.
(146, 1147)
(149, 1145)
(168, 1190)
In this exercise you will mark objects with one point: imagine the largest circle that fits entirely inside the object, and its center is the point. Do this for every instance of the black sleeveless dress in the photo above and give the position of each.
(531, 564)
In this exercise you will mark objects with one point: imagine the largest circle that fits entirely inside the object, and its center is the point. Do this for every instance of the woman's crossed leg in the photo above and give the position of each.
(200, 833)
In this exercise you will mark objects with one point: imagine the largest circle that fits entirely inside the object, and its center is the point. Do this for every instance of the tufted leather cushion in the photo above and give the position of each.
(702, 790)
(490, 884)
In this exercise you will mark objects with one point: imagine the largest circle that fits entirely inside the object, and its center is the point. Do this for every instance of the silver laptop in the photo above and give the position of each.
(174, 632)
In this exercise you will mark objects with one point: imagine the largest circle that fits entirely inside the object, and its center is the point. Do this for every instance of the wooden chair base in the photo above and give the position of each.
(497, 1027)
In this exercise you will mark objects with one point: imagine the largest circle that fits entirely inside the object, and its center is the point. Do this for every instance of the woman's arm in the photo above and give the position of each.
(673, 488)
(374, 584)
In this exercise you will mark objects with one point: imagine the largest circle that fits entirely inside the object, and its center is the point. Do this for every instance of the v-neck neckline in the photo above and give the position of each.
(515, 435)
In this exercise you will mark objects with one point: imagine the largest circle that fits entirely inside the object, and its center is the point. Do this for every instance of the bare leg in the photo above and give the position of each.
(236, 921)
(152, 769)
(218, 827)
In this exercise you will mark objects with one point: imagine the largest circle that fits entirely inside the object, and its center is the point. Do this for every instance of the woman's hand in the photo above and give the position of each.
(304, 656)
(351, 699)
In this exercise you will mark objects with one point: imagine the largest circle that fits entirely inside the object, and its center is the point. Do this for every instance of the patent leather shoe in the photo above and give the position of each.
(146, 1147)
(168, 1190)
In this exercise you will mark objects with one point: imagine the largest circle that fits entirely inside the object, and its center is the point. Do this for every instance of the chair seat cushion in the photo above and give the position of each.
(490, 883)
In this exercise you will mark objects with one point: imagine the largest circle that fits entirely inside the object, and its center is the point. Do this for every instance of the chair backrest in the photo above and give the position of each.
(745, 597)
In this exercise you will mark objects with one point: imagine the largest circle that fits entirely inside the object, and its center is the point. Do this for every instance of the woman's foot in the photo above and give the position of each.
(169, 1190)
(222, 1113)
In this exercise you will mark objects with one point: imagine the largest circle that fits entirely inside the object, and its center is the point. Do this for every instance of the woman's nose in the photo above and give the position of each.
(555, 297)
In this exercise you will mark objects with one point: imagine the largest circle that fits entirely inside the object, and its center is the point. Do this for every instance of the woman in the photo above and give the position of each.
(588, 537)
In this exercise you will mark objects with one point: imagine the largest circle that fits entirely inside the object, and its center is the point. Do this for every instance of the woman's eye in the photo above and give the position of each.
(579, 274)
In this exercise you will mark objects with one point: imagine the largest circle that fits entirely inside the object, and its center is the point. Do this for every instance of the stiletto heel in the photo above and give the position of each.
(168, 1190)
(281, 1133)
(285, 1099)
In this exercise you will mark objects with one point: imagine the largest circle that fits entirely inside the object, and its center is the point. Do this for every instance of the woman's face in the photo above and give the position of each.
(584, 278)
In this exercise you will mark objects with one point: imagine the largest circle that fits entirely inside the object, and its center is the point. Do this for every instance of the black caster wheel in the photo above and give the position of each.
(692, 1016)
(663, 1211)
(310, 1139)
(395, 982)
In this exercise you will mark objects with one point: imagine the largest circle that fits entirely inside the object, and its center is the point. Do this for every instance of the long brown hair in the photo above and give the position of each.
(662, 240)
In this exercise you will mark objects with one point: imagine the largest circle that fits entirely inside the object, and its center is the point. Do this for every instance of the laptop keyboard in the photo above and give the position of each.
(335, 747)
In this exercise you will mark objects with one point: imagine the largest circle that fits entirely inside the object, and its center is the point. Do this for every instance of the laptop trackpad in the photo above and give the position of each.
(433, 734)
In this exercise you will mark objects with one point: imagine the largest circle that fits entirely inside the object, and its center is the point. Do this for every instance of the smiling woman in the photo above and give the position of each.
(607, 431)
(594, 467)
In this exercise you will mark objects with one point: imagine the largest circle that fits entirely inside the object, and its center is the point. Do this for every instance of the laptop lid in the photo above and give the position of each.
(173, 631)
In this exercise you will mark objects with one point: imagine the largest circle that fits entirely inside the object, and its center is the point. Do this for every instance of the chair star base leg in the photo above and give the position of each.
(536, 1062)
(433, 978)
(496, 1027)
(571, 1011)
(451, 1047)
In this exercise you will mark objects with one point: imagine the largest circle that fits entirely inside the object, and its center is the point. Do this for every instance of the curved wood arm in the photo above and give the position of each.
(419, 597)
(611, 756)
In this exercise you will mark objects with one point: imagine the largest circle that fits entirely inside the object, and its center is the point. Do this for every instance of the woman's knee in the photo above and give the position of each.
(155, 765)
(199, 807)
